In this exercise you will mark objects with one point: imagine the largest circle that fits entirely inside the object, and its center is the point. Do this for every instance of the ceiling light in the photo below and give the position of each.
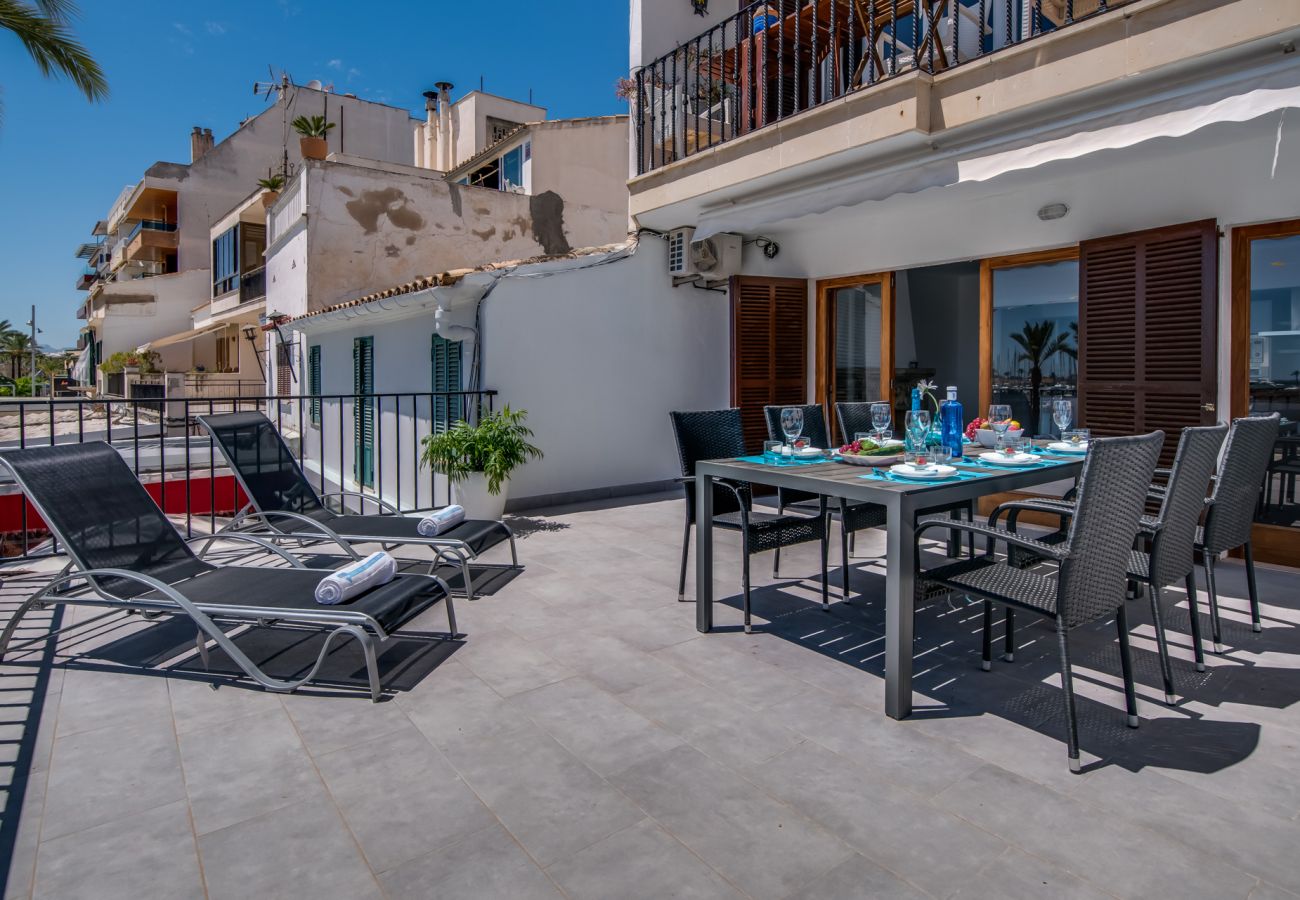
(1053, 211)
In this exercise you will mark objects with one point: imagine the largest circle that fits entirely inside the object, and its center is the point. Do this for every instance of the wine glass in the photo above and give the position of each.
(880, 418)
(1000, 421)
(917, 427)
(791, 424)
(1062, 415)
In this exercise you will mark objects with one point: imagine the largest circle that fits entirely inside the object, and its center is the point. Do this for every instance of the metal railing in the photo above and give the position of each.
(777, 58)
(252, 284)
(148, 225)
(178, 462)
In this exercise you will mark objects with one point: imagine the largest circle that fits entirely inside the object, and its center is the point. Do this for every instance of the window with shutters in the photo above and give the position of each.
(363, 410)
(313, 383)
(446, 359)
(769, 337)
(283, 369)
(1147, 327)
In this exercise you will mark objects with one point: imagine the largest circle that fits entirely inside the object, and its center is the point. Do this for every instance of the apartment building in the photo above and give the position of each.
(1089, 200)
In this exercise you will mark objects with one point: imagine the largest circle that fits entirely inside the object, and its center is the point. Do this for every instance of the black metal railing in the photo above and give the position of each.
(252, 285)
(777, 58)
(367, 442)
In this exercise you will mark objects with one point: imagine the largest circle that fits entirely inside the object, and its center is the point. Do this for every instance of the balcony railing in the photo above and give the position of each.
(252, 285)
(149, 225)
(778, 58)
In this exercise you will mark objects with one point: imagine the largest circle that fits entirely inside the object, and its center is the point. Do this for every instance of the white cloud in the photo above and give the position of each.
(335, 64)
(216, 29)
(182, 28)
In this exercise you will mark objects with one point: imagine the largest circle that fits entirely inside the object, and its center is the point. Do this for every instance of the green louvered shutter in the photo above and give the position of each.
(313, 382)
(363, 409)
(446, 358)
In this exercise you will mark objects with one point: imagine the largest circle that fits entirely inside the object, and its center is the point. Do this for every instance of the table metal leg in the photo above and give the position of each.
(703, 553)
(899, 602)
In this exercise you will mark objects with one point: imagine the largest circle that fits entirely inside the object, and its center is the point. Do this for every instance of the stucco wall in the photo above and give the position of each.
(158, 307)
(368, 229)
(584, 161)
(597, 357)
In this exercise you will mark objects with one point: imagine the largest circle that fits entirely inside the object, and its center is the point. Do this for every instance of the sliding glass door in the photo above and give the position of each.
(854, 359)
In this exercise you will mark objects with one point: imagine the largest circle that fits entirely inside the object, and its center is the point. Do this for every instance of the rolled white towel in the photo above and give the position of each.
(338, 587)
(438, 521)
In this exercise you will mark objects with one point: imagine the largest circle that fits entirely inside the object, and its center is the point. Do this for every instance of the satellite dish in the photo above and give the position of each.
(314, 84)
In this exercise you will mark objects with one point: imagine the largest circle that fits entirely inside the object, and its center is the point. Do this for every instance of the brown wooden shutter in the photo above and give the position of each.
(769, 344)
(1147, 326)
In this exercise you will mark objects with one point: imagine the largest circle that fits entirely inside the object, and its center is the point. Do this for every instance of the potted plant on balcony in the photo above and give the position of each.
(271, 187)
(478, 459)
(312, 131)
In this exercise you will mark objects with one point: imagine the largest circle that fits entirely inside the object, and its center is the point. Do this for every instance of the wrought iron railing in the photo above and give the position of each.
(160, 439)
(778, 58)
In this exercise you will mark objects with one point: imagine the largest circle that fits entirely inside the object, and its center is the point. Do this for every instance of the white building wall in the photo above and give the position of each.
(162, 308)
(597, 357)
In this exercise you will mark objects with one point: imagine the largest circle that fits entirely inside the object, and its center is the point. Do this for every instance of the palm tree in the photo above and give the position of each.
(1039, 343)
(44, 29)
(17, 346)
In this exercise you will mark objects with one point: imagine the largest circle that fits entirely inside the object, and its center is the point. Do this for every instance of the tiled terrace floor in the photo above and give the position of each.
(585, 741)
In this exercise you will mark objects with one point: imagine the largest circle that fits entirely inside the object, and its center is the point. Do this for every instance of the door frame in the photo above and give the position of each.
(987, 267)
(824, 355)
(1271, 543)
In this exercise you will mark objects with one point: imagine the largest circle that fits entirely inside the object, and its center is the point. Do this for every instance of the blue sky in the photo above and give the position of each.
(175, 65)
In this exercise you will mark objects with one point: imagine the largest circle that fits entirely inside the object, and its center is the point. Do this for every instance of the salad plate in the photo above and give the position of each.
(1015, 459)
(928, 473)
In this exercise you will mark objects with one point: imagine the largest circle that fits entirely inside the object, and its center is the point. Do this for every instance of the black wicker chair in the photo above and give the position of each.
(1092, 562)
(282, 503)
(719, 434)
(853, 516)
(126, 555)
(1231, 508)
(854, 418)
(1165, 553)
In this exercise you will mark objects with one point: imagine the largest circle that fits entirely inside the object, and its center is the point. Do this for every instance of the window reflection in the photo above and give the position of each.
(1275, 365)
(1036, 341)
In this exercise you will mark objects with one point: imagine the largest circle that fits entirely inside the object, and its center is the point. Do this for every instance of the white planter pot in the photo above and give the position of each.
(472, 493)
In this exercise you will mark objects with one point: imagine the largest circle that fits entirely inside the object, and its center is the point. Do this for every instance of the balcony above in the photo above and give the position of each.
(791, 92)
(149, 240)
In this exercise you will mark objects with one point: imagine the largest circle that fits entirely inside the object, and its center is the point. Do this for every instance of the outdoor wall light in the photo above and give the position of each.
(1053, 211)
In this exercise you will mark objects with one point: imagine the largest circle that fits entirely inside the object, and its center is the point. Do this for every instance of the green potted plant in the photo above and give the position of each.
(271, 187)
(478, 459)
(312, 131)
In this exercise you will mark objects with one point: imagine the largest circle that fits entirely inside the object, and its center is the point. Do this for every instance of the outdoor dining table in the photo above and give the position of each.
(902, 499)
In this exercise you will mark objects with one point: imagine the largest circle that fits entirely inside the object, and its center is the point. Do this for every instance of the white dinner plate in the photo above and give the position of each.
(932, 473)
(808, 452)
(1001, 459)
(1068, 447)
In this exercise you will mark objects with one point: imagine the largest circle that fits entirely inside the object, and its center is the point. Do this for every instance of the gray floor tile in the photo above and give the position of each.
(488, 865)
(150, 854)
(1121, 858)
(97, 699)
(245, 768)
(609, 662)
(1015, 875)
(552, 803)
(891, 826)
(327, 722)
(855, 879)
(457, 705)
(720, 661)
(640, 863)
(761, 846)
(1266, 891)
(111, 773)
(302, 850)
(594, 726)
(22, 858)
(196, 705)
(510, 665)
(400, 797)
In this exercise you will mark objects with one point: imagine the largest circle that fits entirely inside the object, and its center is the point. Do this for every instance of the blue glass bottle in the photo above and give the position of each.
(916, 399)
(952, 422)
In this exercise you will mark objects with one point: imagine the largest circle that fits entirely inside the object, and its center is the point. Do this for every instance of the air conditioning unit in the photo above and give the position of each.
(716, 257)
(679, 251)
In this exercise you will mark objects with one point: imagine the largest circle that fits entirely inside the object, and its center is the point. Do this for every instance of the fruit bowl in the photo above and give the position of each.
(987, 437)
(874, 455)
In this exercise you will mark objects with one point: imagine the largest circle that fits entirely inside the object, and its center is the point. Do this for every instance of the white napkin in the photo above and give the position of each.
(338, 587)
(438, 521)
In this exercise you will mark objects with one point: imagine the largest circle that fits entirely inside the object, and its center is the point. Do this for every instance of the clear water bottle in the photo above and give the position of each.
(952, 423)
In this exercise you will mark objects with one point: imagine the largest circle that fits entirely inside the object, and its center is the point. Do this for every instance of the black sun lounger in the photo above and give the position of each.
(125, 554)
(282, 502)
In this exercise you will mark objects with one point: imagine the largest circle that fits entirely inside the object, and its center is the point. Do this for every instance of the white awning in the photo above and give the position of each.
(180, 338)
(1173, 117)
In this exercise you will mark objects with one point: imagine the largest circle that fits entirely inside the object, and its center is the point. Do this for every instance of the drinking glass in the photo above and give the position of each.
(880, 418)
(791, 423)
(917, 426)
(772, 451)
(1000, 421)
(1062, 415)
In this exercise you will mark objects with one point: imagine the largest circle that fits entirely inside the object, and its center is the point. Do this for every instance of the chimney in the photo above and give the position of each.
(428, 148)
(446, 149)
(200, 143)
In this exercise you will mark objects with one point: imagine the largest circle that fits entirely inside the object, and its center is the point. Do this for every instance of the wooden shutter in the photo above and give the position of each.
(283, 369)
(769, 348)
(363, 409)
(1147, 326)
(313, 382)
(445, 356)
